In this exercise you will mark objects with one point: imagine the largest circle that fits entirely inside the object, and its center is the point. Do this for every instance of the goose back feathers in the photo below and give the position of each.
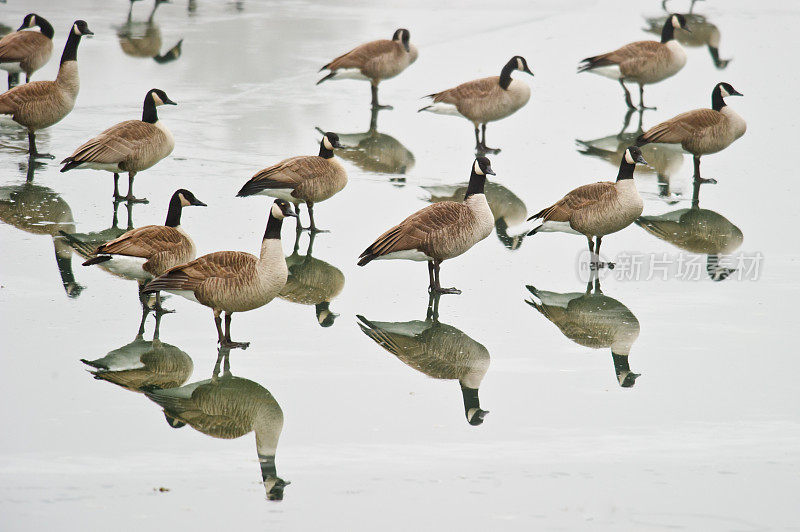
(375, 60)
(27, 51)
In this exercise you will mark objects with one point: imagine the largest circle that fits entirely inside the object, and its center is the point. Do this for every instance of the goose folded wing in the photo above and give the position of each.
(360, 55)
(21, 95)
(580, 198)
(116, 143)
(21, 45)
(189, 276)
(471, 90)
(682, 126)
(286, 174)
(144, 241)
(633, 55)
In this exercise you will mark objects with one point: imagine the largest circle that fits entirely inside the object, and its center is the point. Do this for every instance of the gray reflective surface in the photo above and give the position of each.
(707, 439)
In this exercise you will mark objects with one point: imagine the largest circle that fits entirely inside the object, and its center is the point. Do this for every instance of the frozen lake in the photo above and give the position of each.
(706, 438)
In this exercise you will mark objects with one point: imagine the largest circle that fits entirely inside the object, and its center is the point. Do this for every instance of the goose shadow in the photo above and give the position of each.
(700, 231)
(437, 350)
(594, 320)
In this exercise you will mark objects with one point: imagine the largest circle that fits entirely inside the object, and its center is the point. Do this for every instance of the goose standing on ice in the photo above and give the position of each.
(26, 51)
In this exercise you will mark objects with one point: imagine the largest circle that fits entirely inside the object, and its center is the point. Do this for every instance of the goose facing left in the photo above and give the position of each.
(598, 209)
(485, 100)
(233, 281)
(440, 231)
(642, 62)
(130, 146)
(374, 61)
(40, 104)
(26, 51)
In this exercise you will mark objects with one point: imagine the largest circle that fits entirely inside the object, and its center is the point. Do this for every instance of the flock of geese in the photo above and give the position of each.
(162, 258)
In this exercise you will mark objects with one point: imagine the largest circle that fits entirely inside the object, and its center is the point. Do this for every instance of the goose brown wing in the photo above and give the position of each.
(471, 90)
(21, 45)
(580, 198)
(681, 127)
(21, 95)
(360, 55)
(144, 241)
(416, 231)
(189, 276)
(116, 143)
(289, 173)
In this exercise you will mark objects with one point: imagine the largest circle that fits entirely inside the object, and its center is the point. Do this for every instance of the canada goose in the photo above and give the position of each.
(130, 146)
(229, 407)
(700, 32)
(593, 320)
(697, 230)
(438, 350)
(39, 210)
(508, 210)
(702, 131)
(643, 62)
(233, 281)
(143, 364)
(485, 100)
(374, 61)
(40, 104)
(26, 51)
(440, 231)
(376, 152)
(663, 160)
(598, 209)
(312, 282)
(305, 179)
(143, 39)
(149, 251)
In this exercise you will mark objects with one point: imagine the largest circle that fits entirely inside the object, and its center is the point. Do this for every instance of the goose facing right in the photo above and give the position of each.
(440, 231)
(228, 407)
(598, 209)
(485, 100)
(702, 131)
(26, 51)
(40, 104)
(643, 62)
(233, 281)
(130, 146)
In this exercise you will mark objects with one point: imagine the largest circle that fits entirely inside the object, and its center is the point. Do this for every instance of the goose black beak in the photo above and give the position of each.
(639, 159)
(337, 144)
(170, 102)
(289, 211)
(528, 71)
(198, 203)
(489, 171)
(87, 31)
(736, 93)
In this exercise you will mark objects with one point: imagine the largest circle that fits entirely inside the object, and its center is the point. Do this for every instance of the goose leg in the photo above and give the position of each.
(482, 147)
(13, 79)
(609, 265)
(27, 78)
(437, 288)
(116, 186)
(431, 278)
(230, 344)
(375, 104)
(642, 106)
(697, 177)
(32, 151)
(130, 198)
(218, 323)
(627, 95)
(313, 227)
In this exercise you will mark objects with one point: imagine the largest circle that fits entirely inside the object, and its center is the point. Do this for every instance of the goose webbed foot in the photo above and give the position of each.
(643, 107)
(380, 107)
(227, 343)
(705, 180)
(440, 290)
(315, 230)
(39, 155)
(130, 198)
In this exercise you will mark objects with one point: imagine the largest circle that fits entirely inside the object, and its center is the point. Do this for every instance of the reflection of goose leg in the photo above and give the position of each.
(228, 342)
(697, 177)
(145, 310)
(642, 106)
(628, 100)
(625, 122)
(433, 307)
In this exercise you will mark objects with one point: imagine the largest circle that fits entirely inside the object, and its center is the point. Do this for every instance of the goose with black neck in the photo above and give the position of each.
(130, 146)
(440, 231)
(233, 281)
(26, 51)
(40, 104)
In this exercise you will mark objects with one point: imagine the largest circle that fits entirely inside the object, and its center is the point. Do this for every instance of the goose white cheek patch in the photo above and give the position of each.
(723, 92)
(520, 66)
(628, 157)
(277, 212)
(157, 100)
(75, 29)
(477, 168)
(327, 143)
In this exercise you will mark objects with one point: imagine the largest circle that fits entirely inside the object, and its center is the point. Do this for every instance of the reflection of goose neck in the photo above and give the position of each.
(625, 376)
(472, 406)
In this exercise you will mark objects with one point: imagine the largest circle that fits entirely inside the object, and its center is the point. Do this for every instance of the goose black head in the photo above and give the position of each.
(80, 28)
(633, 155)
(520, 64)
(281, 209)
(678, 21)
(187, 198)
(30, 20)
(403, 36)
(726, 89)
(482, 166)
(475, 416)
(330, 141)
(160, 97)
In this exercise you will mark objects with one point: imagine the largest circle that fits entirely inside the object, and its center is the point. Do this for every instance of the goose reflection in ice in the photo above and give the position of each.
(699, 231)
(312, 282)
(143, 364)
(40, 210)
(438, 350)
(663, 160)
(592, 319)
(229, 407)
(701, 33)
(375, 152)
(143, 39)
(508, 210)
